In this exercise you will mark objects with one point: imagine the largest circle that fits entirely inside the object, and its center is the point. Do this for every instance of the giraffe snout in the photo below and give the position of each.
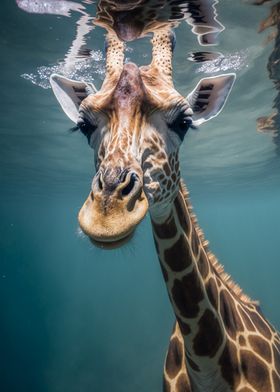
(115, 206)
(122, 183)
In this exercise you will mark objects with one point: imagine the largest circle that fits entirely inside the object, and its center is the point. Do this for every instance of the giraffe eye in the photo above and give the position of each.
(185, 123)
(86, 128)
(181, 125)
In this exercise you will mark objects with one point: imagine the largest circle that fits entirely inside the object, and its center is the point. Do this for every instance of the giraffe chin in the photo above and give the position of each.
(118, 243)
(114, 226)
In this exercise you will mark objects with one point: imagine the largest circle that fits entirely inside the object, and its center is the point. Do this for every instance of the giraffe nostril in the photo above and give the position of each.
(123, 176)
(100, 182)
(130, 185)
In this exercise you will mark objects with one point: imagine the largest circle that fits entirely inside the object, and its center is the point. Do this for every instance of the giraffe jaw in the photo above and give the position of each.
(114, 225)
(117, 243)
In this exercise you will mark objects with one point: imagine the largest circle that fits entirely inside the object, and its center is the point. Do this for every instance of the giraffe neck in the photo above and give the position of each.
(214, 317)
(191, 286)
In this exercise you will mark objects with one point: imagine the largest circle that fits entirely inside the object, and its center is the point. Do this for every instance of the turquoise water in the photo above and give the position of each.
(77, 318)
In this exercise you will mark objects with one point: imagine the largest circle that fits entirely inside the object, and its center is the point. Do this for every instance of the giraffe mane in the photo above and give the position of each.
(217, 266)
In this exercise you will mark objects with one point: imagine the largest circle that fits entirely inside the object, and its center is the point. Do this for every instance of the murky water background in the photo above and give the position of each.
(76, 318)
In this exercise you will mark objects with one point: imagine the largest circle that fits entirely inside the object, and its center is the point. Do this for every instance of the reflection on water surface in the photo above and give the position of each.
(131, 20)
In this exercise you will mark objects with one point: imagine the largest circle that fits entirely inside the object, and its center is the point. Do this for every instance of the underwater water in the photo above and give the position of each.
(78, 318)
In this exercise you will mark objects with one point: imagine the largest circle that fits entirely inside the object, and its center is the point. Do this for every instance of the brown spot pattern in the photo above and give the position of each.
(212, 292)
(276, 358)
(192, 364)
(261, 347)
(178, 256)
(167, 230)
(182, 384)
(174, 359)
(276, 381)
(260, 324)
(229, 365)
(242, 340)
(187, 293)
(161, 156)
(255, 371)
(248, 323)
(195, 243)
(169, 184)
(166, 169)
(184, 328)
(166, 386)
(208, 326)
(203, 265)
(183, 218)
(246, 390)
(229, 314)
(148, 165)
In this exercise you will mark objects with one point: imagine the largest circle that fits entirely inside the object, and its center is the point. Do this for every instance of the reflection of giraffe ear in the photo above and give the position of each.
(70, 94)
(209, 97)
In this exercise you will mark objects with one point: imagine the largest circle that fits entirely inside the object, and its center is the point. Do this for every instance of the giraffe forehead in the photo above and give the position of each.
(136, 90)
(129, 93)
(143, 89)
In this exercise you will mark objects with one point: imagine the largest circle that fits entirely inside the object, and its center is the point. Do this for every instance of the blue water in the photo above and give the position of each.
(76, 318)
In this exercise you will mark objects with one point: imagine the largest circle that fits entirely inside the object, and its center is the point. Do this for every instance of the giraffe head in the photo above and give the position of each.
(135, 124)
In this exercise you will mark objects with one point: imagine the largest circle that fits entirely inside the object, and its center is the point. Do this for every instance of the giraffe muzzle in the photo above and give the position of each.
(114, 207)
(123, 182)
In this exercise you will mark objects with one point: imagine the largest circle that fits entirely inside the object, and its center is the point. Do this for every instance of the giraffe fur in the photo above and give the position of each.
(244, 334)
(136, 124)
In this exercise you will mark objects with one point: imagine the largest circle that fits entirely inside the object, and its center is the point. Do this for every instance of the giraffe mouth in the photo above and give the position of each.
(114, 243)
(109, 221)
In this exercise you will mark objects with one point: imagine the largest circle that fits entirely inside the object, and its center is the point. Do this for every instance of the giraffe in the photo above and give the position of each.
(136, 123)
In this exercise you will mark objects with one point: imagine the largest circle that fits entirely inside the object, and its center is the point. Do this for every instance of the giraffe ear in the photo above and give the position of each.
(70, 94)
(209, 97)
